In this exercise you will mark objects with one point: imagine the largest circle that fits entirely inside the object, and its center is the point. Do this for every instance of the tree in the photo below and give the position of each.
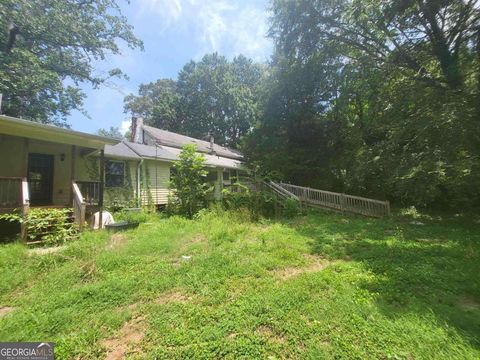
(113, 133)
(213, 96)
(158, 102)
(364, 97)
(47, 48)
(188, 182)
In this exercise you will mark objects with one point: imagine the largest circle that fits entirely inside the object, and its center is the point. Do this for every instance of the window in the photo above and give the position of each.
(226, 176)
(173, 172)
(212, 176)
(114, 173)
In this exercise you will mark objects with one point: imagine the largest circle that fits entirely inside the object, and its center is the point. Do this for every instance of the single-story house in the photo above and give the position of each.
(142, 167)
(48, 166)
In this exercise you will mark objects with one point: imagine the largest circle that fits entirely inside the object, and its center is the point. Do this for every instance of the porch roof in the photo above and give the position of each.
(33, 130)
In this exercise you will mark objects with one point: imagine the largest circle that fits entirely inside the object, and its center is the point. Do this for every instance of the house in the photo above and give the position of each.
(47, 166)
(141, 168)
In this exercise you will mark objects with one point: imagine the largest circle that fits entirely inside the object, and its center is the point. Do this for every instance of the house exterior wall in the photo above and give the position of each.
(127, 192)
(13, 163)
(157, 174)
(12, 159)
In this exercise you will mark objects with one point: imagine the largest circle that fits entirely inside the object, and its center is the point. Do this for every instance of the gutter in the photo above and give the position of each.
(139, 187)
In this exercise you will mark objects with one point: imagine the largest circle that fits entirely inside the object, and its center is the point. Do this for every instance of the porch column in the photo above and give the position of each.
(72, 171)
(219, 185)
(25, 207)
(102, 183)
(25, 157)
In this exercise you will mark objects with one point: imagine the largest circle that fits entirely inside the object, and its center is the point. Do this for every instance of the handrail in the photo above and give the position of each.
(79, 206)
(11, 178)
(90, 191)
(77, 193)
(25, 208)
(25, 193)
(339, 201)
(280, 189)
(11, 189)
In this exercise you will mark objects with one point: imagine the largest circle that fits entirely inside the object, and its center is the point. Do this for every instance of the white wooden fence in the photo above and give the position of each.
(338, 201)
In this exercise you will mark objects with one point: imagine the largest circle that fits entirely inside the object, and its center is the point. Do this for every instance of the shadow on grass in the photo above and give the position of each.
(422, 268)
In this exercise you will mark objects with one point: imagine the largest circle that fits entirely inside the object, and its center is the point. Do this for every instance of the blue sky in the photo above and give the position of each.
(173, 32)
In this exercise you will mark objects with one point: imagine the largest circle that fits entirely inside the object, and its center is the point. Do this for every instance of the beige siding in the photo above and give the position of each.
(12, 157)
(158, 175)
(13, 163)
(132, 165)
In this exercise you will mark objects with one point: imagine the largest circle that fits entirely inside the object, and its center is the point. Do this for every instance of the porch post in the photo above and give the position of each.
(25, 157)
(72, 171)
(102, 183)
(24, 191)
(219, 184)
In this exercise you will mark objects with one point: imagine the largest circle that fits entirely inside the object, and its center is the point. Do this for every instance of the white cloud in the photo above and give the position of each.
(230, 27)
(125, 126)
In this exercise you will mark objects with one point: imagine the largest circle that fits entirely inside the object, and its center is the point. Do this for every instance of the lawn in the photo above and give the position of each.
(221, 286)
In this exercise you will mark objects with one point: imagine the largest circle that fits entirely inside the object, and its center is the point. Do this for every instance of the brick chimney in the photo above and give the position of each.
(137, 131)
(211, 142)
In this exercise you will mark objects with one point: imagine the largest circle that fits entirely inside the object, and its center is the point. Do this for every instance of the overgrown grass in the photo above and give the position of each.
(220, 286)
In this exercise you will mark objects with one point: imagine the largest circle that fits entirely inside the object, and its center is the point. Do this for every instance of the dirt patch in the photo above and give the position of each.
(198, 239)
(468, 303)
(268, 333)
(116, 241)
(126, 341)
(172, 297)
(45, 251)
(4, 310)
(315, 264)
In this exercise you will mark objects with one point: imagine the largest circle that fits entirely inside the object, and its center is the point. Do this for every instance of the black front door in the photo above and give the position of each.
(40, 179)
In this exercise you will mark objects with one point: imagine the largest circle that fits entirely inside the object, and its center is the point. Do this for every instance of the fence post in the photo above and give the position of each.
(342, 202)
(388, 208)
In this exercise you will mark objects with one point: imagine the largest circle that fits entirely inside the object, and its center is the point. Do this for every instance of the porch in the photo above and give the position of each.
(46, 166)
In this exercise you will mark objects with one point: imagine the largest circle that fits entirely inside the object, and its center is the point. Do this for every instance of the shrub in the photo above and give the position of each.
(259, 203)
(292, 208)
(51, 226)
(140, 216)
(188, 186)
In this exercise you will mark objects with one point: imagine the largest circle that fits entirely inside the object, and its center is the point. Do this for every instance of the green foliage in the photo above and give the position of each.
(321, 286)
(48, 47)
(259, 203)
(113, 133)
(291, 208)
(188, 187)
(212, 96)
(378, 99)
(117, 198)
(51, 226)
(133, 215)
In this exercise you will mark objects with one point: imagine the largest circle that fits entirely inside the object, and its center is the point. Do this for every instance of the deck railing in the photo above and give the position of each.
(339, 202)
(280, 190)
(79, 206)
(90, 191)
(14, 196)
(11, 196)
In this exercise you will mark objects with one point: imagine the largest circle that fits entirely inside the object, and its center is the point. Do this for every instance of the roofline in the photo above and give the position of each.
(237, 156)
(157, 158)
(48, 127)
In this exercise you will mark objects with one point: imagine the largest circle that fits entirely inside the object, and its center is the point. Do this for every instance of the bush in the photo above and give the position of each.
(259, 203)
(188, 186)
(292, 208)
(139, 216)
(51, 226)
